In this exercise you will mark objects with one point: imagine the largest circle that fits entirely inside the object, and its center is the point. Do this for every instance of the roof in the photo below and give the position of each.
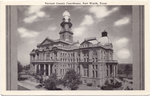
(66, 13)
(104, 40)
(55, 41)
(91, 40)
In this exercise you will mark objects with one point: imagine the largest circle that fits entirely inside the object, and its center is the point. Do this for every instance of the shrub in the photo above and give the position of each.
(51, 82)
(106, 88)
(117, 85)
(89, 84)
(60, 81)
(72, 79)
(106, 82)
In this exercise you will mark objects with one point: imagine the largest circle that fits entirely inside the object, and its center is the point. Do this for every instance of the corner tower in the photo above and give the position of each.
(66, 34)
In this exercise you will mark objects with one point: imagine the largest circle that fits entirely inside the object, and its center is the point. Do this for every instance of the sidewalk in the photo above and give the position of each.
(30, 85)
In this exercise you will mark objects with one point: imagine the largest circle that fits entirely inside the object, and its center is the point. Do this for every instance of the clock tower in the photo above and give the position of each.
(66, 34)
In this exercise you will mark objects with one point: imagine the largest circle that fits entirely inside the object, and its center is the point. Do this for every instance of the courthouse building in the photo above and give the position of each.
(92, 58)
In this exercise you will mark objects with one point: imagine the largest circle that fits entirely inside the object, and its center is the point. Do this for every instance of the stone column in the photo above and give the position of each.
(30, 57)
(44, 69)
(98, 70)
(102, 70)
(90, 70)
(35, 57)
(58, 56)
(39, 67)
(90, 55)
(39, 56)
(114, 71)
(108, 70)
(75, 67)
(35, 68)
(81, 70)
(81, 56)
(99, 55)
(53, 56)
(45, 56)
(75, 56)
(49, 69)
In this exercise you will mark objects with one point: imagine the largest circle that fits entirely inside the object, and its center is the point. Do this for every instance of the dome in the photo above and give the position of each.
(66, 13)
(104, 40)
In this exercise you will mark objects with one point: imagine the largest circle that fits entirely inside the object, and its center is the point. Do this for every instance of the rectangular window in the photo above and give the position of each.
(96, 59)
(84, 72)
(96, 67)
(96, 74)
(93, 73)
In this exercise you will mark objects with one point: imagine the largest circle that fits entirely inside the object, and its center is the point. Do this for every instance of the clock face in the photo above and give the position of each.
(66, 18)
(66, 27)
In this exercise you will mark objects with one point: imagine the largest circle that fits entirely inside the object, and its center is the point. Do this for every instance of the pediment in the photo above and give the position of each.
(85, 43)
(46, 41)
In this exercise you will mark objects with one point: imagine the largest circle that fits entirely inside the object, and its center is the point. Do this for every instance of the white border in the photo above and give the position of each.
(78, 92)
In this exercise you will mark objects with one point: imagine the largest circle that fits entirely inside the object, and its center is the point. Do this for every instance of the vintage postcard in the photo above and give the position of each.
(75, 48)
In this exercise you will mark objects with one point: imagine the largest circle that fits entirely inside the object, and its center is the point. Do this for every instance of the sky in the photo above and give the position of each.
(35, 23)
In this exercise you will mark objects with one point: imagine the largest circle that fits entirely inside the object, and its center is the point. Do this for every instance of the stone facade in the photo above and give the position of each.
(92, 58)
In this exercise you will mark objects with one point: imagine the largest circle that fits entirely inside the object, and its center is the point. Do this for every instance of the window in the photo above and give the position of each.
(47, 56)
(96, 59)
(93, 59)
(96, 67)
(63, 37)
(93, 66)
(84, 72)
(96, 74)
(94, 53)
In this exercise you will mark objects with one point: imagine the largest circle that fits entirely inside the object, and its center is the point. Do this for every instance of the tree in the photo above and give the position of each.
(19, 66)
(26, 67)
(127, 70)
(51, 82)
(39, 75)
(119, 71)
(72, 79)
(19, 69)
